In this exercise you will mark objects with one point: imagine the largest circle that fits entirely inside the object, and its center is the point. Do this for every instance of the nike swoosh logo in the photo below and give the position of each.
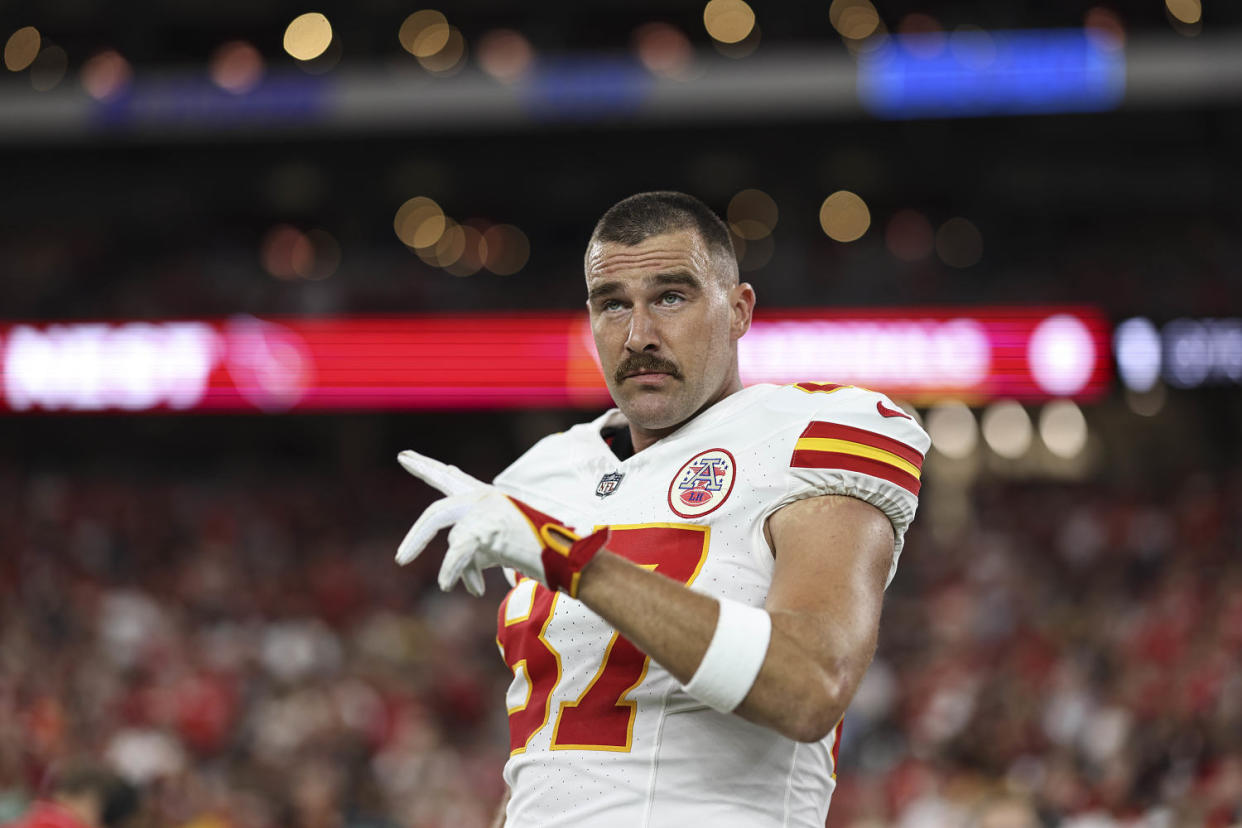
(885, 411)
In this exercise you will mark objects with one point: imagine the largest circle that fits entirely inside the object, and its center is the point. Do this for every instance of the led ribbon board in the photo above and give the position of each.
(975, 73)
(1187, 353)
(480, 361)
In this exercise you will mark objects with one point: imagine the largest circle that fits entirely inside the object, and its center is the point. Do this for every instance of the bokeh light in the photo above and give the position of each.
(236, 67)
(450, 59)
(1007, 428)
(972, 47)
(664, 49)
(1185, 11)
(854, 19)
(844, 216)
(287, 253)
(424, 33)
(448, 248)
(753, 255)
(1061, 354)
(473, 255)
(22, 48)
(419, 222)
(327, 255)
(106, 75)
(506, 249)
(909, 236)
(505, 54)
(308, 36)
(728, 21)
(48, 69)
(1104, 26)
(952, 428)
(959, 243)
(1147, 403)
(930, 40)
(752, 214)
(1063, 428)
(919, 23)
(1136, 344)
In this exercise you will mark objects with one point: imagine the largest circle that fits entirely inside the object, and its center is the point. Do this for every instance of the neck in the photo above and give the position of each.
(644, 437)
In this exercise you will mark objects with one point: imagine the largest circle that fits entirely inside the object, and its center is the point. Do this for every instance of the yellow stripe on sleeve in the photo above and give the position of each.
(858, 450)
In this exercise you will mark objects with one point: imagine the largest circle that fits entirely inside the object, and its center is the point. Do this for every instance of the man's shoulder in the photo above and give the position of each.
(799, 404)
(814, 430)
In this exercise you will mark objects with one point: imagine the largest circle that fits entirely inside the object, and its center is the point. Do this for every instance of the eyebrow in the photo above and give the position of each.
(680, 277)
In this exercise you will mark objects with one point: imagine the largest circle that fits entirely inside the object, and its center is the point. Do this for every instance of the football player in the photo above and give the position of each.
(698, 573)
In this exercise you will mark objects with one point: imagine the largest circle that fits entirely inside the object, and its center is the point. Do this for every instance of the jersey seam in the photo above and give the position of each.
(655, 760)
(793, 765)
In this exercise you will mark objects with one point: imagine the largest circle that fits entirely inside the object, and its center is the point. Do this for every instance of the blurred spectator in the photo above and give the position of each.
(242, 648)
(84, 795)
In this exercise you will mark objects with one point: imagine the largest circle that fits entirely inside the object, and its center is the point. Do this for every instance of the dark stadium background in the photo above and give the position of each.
(208, 601)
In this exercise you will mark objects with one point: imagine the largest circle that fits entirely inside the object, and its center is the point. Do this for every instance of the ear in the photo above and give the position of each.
(742, 308)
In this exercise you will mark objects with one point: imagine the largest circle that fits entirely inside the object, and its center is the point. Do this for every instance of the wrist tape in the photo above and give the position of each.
(732, 661)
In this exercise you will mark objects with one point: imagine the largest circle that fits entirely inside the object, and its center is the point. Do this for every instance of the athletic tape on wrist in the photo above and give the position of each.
(732, 661)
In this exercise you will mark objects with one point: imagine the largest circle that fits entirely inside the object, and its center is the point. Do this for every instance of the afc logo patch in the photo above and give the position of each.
(703, 484)
(609, 483)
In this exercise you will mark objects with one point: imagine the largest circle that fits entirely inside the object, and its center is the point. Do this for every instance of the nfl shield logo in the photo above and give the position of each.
(608, 484)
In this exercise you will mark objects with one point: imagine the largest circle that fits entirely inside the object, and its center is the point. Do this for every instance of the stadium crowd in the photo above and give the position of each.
(243, 647)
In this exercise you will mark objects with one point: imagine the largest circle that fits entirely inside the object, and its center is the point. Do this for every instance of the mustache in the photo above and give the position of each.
(643, 363)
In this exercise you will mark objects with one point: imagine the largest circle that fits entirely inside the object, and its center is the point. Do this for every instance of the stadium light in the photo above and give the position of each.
(1136, 343)
(1007, 428)
(844, 216)
(952, 428)
(1063, 428)
(308, 36)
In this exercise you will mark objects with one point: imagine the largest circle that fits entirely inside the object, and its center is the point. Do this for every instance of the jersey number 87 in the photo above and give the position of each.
(601, 718)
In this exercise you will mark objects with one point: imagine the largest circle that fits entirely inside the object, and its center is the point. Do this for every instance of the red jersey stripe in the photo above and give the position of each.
(867, 438)
(854, 463)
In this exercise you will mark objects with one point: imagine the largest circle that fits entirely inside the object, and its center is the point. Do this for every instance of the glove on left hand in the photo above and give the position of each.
(491, 528)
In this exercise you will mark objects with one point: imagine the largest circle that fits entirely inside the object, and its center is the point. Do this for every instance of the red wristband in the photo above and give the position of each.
(564, 553)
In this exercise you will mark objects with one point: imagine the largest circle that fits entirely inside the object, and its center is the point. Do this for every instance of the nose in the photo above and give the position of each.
(643, 335)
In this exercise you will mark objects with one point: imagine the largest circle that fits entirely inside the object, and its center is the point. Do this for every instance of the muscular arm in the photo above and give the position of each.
(832, 558)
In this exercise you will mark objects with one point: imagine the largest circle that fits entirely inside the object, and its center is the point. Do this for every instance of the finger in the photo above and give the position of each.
(439, 515)
(457, 560)
(473, 579)
(448, 479)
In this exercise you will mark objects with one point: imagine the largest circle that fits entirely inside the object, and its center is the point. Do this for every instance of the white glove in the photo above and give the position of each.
(492, 529)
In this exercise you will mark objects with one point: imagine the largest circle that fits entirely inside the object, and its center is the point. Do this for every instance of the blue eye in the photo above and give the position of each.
(671, 298)
(609, 304)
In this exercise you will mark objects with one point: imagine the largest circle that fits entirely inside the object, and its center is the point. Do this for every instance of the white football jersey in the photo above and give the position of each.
(601, 735)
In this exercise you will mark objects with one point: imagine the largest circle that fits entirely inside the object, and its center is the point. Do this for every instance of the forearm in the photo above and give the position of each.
(674, 626)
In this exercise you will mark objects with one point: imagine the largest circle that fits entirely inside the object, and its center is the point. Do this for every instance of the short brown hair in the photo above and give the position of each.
(632, 220)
